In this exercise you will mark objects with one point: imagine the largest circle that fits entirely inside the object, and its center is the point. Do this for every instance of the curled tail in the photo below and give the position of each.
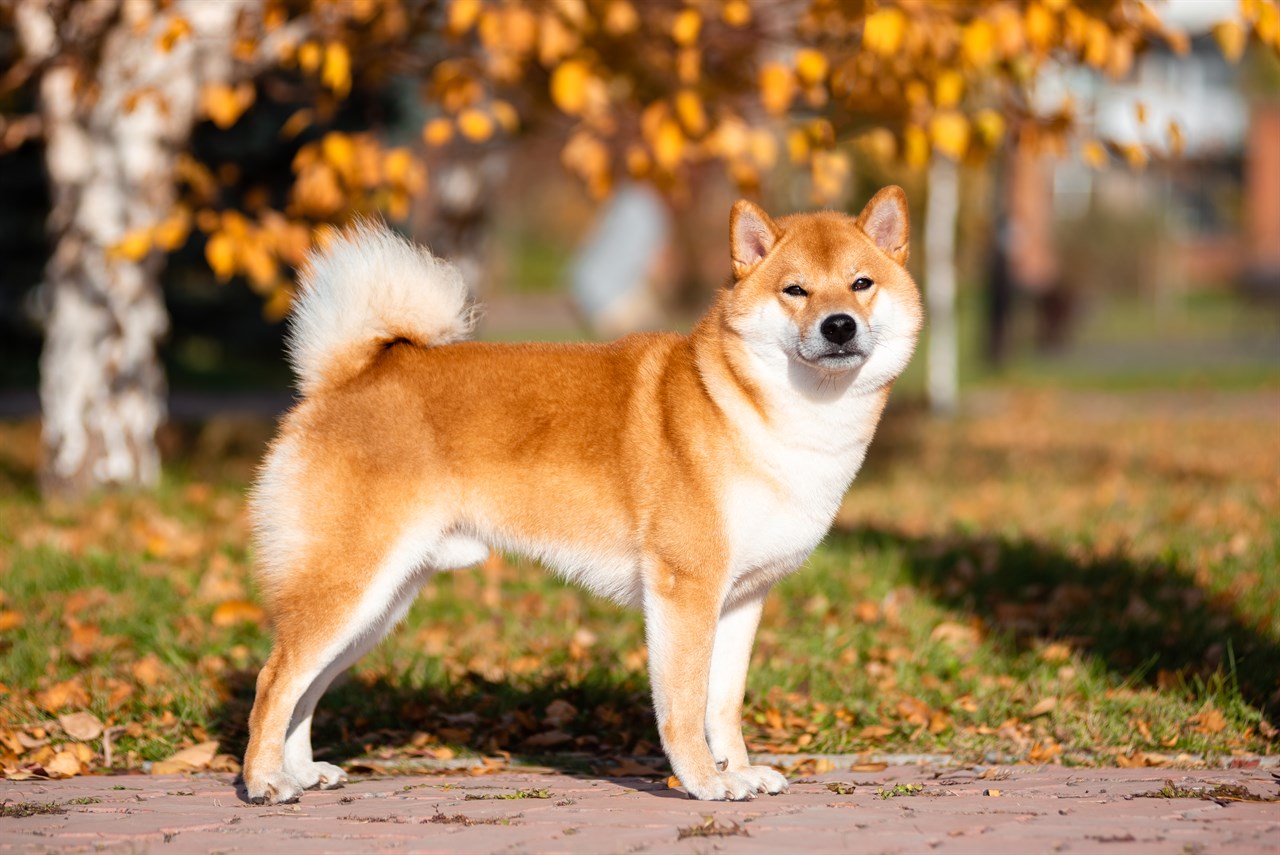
(366, 288)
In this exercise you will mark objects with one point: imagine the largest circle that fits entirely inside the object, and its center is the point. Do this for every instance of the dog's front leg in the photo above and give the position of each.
(735, 632)
(680, 624)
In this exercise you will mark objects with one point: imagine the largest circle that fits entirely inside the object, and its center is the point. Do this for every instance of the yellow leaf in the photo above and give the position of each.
(1097, 46)
(1094, 154)
(668, 145)
(949, 131)
(64, 764)
(339, 151)
(948, 88)
(179, 28)
(569, 86)
(990, 126)
(882, 32)
(337, 69)
(462, 15)
(638, 161)
(915, 146)
(978, 43)
(134, 246)
(437, 132)
(688, 24)
(475, 125)
(811, 66)
(193, 759)
(692, 115)
(777, 87)
(309, 57)
(233, 612)
(585, 156)
(620, 18)
(10, 620)
(829, 172)
(173, 230)
(1041, 26)
(764, 148)
(736, 13)
(220, 252)
(223, 104)
(297, 123)
(506, 115)
(797, 145)
(555, 40)
(1231, 38)
(399, 166)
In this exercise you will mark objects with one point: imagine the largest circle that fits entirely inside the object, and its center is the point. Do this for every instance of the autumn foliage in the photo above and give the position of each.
(658, 91)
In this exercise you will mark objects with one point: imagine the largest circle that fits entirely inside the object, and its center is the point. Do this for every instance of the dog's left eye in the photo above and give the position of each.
(795, 291)
(862, 283)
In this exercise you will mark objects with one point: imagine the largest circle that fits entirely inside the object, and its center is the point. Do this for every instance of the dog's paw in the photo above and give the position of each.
(272, 788)
(720, 787)
(323, 776)
(764, 778)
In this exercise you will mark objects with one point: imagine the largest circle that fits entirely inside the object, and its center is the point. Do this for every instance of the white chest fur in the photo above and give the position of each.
(777, 513)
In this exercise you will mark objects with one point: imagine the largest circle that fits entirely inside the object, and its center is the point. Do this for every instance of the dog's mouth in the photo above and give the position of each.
(845, 356)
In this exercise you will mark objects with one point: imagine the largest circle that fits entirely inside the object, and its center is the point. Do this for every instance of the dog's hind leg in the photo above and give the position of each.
(319, 633)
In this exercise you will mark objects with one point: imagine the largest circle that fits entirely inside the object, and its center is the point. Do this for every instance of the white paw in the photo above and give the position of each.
(764, 778)
(272, 788)
(324, 776)
(721, 786)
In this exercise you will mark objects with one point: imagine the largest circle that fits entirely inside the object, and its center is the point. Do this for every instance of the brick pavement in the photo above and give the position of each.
(1048, 809)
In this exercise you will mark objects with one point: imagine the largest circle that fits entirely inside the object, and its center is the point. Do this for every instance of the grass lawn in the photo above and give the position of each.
(1054, 578)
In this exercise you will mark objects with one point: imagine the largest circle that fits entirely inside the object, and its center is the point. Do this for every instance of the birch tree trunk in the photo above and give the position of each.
(942, 357)
(116, 109)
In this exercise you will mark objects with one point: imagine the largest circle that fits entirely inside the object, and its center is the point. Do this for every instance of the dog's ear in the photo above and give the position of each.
(884, 220)
(751, 235)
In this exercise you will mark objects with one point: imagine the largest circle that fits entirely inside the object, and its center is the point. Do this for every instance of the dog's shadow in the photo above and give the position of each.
(382, 723)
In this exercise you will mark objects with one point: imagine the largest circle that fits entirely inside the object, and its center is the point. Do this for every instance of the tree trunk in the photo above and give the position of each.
(113, 132)
(942, 359)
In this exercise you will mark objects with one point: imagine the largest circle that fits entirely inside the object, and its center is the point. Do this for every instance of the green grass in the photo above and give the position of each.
(1042, 583)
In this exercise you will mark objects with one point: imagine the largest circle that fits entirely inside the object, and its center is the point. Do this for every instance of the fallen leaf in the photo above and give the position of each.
(868, 767)
(559, 713)
(10, 620)
(81, 725)
(673, 782)
(193, 759)
(994, 793)
(874, 731)
(64, 764)
(233, 612)
(68, 693)
(627, 767)
(549, 739)
(1043, 707)
(149, 670)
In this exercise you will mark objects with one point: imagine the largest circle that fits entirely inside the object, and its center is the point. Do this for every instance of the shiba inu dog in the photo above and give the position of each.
(681, 474)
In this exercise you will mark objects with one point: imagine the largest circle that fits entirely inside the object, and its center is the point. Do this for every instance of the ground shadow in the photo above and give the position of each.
(604, 719)
(1148, 621)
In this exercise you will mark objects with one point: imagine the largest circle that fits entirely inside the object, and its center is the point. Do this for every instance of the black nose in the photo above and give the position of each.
(838, 329)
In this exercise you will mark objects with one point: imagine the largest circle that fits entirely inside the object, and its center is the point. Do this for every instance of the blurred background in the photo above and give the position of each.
(1109, 214)
(1077, 480)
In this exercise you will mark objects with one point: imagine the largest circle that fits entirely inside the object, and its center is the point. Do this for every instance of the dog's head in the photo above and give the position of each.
(828, 291)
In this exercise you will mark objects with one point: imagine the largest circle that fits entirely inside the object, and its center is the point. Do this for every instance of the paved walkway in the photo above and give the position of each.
(1011, 809)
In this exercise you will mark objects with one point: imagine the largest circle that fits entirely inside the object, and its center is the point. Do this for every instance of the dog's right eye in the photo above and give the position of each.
(795, 291)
